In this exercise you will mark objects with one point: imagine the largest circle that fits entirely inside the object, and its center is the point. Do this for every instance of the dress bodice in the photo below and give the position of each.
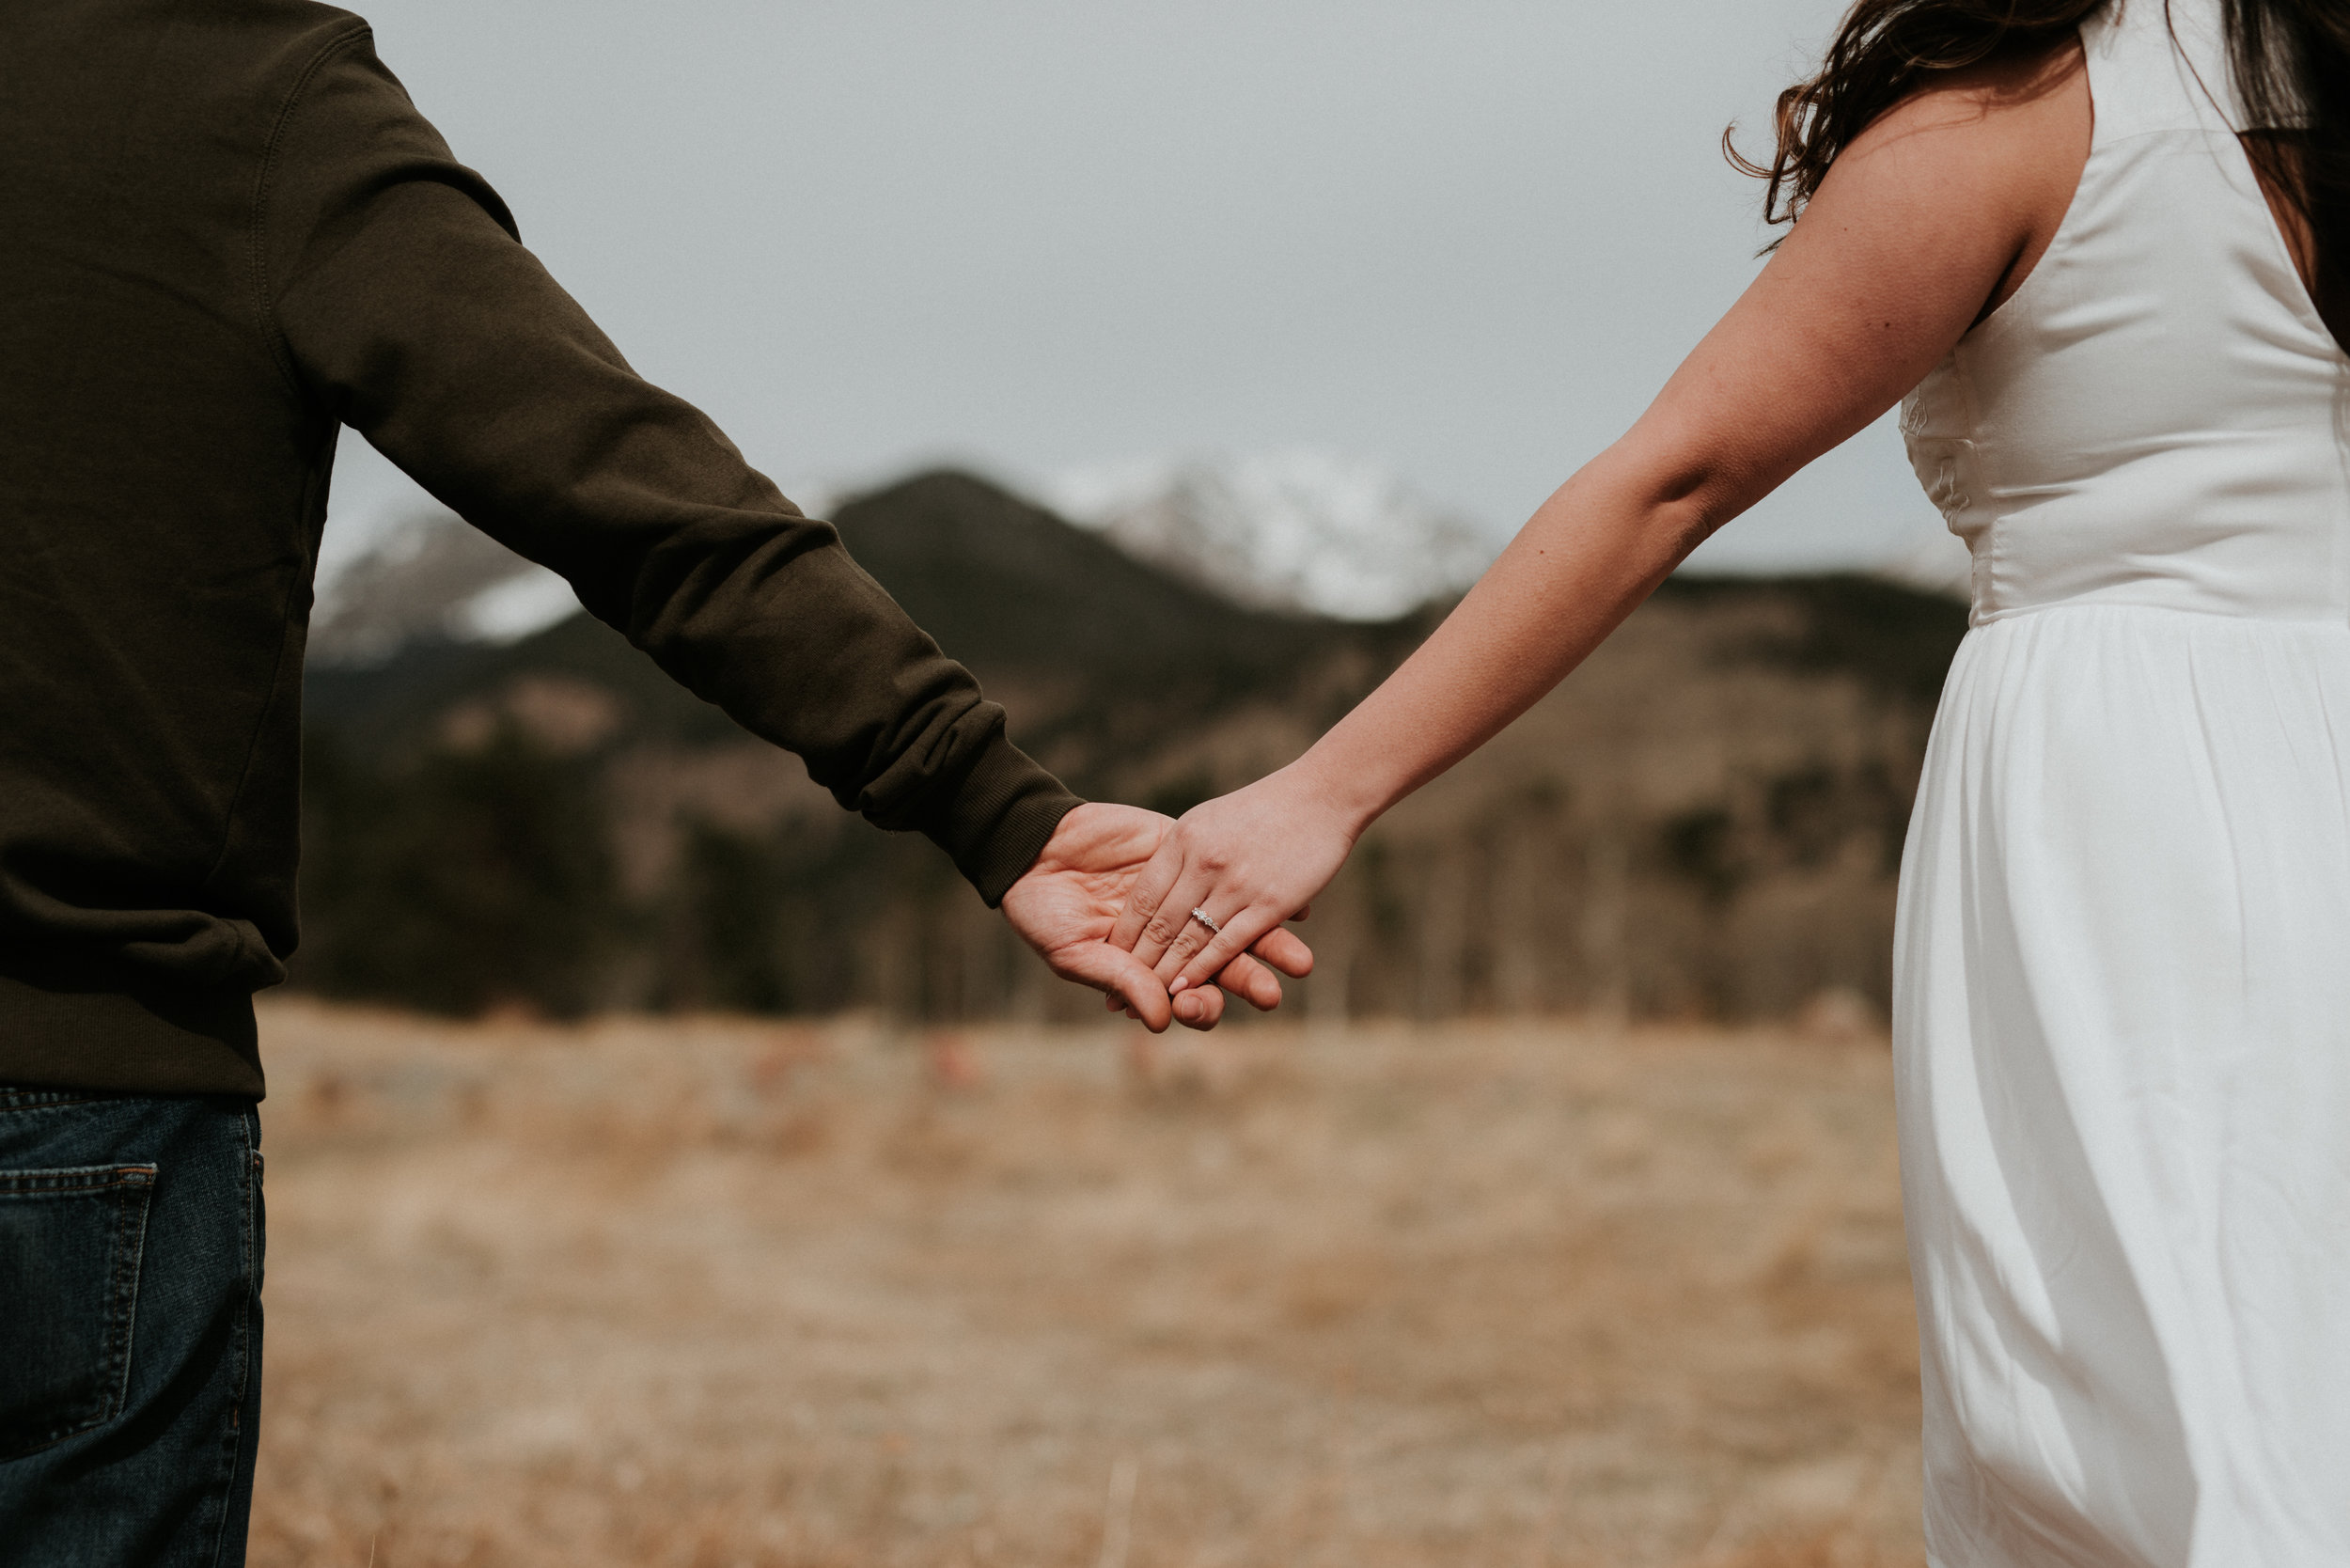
(2157, 416)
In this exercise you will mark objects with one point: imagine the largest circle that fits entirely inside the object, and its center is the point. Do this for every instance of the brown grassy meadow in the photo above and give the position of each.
(715, 1292)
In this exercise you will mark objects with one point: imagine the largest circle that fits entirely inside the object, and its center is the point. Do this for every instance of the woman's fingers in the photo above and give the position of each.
(1147, 893)
(1170, 927)
(1189, 896)
(1244, 928)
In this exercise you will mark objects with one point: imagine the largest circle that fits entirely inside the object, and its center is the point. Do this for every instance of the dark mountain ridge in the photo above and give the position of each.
(1724, 783)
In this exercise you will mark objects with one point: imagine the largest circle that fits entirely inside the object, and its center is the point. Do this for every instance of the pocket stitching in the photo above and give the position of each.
(135, 1183)
(82, 1178)
(130, 1251)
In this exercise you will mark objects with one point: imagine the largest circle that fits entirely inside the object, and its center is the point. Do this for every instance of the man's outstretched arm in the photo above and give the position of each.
(402, 303)
(405, 306)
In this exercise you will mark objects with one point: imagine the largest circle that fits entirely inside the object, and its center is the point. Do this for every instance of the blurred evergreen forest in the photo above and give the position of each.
(1705, 821)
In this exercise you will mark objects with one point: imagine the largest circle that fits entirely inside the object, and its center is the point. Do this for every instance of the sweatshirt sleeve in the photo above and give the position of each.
(402, 301)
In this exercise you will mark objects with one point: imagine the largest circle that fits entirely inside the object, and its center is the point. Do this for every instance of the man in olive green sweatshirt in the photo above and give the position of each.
(225, 233)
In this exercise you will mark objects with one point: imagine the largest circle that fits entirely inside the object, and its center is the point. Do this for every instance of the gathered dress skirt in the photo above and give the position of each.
(2122, 1031)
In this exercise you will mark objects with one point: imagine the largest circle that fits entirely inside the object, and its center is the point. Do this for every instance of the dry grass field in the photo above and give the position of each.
(708, 1293)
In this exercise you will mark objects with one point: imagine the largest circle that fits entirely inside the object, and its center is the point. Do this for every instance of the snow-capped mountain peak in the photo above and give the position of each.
(1291, 531)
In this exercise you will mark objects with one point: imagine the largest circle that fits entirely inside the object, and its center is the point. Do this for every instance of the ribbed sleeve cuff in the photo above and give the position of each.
(1000, 819)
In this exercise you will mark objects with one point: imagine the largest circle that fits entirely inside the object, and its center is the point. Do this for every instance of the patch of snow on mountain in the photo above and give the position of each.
(425, 575)
(1284, 530)
(514, 607)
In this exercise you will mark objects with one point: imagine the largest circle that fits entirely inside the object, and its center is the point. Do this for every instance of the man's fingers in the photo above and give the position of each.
(1286, 951)
(1246, 979)
(1200, 1008)
(1128, 980)
(1145, 997)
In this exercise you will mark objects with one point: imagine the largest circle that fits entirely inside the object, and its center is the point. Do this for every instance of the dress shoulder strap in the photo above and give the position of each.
(2160, 65)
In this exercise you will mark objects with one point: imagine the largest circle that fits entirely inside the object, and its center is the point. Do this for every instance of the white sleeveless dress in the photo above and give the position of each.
(2122, 970)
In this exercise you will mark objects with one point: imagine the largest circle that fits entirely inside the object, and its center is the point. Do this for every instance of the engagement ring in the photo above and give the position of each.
(1201, 915)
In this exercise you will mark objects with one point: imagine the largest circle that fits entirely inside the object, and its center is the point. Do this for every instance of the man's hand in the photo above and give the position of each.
(1066, 904)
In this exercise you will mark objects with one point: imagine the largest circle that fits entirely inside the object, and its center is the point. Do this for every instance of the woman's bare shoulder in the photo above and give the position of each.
(2001, 145)
(2028, 118)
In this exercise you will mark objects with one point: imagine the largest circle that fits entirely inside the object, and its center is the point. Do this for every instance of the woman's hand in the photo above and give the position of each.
(1249, 860)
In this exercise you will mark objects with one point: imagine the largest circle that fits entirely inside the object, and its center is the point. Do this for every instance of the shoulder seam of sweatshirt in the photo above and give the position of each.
(256, 222)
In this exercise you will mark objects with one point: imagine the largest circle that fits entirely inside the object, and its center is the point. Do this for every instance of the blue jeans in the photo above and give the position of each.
(130, 1328)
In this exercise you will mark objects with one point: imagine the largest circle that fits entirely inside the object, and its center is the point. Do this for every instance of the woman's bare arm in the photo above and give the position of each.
(1927, 223)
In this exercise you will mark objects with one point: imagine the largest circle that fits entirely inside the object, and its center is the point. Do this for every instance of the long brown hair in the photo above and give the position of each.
(2291, 60)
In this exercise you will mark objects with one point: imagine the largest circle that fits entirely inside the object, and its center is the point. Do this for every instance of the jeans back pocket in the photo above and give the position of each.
(69, 1246)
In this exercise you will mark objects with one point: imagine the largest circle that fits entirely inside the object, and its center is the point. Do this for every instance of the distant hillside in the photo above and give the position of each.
(1704, 820)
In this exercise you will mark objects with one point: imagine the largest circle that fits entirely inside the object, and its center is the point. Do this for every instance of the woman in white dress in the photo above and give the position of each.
(2122, 966)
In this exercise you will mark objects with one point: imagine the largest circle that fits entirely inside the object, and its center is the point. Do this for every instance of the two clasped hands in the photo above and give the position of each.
(1167, 916)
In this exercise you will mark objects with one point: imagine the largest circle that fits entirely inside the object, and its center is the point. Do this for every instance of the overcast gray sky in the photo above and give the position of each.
(1465, 238)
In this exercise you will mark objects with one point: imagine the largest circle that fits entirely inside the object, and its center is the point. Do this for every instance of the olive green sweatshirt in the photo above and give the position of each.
(225, 232)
